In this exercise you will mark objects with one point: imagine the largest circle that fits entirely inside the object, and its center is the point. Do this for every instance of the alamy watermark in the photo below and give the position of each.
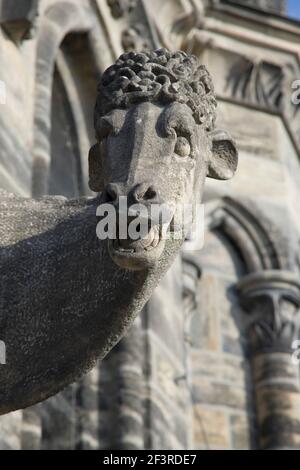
(2, 353)
(296, 353)
(136, 222)
(295, 98)
(2, 92)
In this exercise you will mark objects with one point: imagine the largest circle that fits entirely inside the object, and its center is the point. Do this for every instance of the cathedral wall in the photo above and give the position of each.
(223, 408)
(165, 385)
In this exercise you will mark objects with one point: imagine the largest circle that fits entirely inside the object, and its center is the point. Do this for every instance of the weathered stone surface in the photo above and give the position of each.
(211, 428)
(230, 367)
(219, 393)
(167, 378)
(17, 18)
(31, 430)
(10, 431)
(121, 7)
(241, 432)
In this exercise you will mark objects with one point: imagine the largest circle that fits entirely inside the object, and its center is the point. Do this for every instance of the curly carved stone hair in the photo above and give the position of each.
(159, 76)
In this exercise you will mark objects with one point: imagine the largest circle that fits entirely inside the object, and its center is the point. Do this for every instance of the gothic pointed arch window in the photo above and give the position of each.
(73, 95)
(65, 177)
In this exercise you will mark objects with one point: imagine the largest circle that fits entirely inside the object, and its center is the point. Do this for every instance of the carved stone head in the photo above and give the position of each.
(154, 122)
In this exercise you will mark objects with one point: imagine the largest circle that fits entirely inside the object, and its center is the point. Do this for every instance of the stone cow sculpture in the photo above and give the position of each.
(67, 297)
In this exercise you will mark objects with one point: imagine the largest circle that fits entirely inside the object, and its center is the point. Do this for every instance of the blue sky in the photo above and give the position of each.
(294, 8)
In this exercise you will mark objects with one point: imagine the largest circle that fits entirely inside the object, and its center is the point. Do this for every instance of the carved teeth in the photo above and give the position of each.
(152, 238)
(150, 241)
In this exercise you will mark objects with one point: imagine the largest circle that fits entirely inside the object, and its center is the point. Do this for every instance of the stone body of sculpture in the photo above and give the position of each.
(68, 297)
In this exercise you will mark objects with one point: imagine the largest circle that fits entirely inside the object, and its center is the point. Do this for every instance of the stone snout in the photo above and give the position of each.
(139, 220)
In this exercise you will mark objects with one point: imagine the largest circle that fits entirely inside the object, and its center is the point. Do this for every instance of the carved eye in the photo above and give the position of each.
(182, 147)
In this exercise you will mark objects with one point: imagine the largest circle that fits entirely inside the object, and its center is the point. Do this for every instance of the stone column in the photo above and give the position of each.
(167, 395)
(129, 423)
(31, 431)
(191, 274)
(272, 300)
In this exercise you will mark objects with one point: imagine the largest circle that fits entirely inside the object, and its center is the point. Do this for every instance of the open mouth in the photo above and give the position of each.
(140, 253)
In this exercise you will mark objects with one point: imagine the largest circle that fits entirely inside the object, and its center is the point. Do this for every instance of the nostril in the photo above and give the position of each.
(150, 194)
(111, 194)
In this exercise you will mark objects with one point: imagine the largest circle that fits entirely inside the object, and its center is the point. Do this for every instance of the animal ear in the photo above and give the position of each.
(95, 169)
(224, 157)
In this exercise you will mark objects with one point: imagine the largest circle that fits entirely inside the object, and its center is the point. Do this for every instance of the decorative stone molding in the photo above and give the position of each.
(191, 274)
(135, 39)
(272, 6)
(120, 8)
(18, 18)
(258, 83)
(265, 84)
(260, 243)
(272, 298)
(195, 18)
(256, 74)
